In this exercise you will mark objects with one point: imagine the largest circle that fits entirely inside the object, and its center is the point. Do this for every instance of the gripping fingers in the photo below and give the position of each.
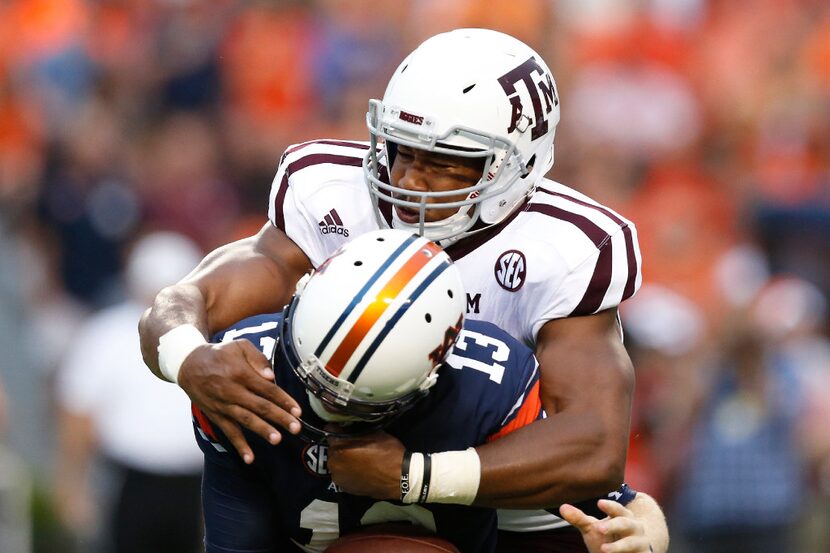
(234, 434)
(255, 423)
(267, 388)
(256, 359)
(272, 403)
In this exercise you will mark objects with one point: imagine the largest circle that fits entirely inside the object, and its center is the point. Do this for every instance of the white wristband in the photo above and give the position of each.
(174, 347)
(446, 477)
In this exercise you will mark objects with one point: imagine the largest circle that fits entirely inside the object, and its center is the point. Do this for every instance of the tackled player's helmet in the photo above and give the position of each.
(470, 93)
(368, 329)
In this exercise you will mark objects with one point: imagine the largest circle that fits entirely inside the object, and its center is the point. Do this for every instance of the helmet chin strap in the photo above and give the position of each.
(436, 231)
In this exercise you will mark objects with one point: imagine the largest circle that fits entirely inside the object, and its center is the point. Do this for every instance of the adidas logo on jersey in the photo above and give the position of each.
(332, 224)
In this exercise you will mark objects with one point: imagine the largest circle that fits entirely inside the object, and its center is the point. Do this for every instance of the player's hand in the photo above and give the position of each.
(233, 384)
(368, 465)
(619, 532)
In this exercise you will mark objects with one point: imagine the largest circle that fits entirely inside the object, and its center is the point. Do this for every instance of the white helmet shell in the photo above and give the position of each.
(472, 93)
(369, 327)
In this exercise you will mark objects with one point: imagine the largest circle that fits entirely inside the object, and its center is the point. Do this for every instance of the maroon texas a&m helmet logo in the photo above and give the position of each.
(511, 270)
(538, 89)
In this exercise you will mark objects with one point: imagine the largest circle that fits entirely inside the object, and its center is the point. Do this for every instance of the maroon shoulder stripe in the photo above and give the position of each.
(600, 282)
(302, 163)
(601, 279)
(626, 229)
(329, 143)
(583, 223)
(633, 269)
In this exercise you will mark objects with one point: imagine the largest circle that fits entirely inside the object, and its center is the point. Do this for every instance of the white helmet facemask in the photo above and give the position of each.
(470, 93)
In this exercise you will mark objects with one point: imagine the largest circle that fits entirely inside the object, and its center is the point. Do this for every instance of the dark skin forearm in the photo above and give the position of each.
(578, 452)
(562, 460)
(175, 305)
(248, 277)
(232, 383)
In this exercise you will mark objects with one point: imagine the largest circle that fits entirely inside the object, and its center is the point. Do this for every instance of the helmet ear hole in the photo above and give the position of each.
(449, 293)
(428, 317)
(530, 164)
(358, 263)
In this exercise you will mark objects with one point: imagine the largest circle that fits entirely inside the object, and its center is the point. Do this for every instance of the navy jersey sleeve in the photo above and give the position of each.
(261, 330)
(488, 386)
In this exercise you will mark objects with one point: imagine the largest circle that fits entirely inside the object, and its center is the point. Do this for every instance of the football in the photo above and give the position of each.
(392, 538)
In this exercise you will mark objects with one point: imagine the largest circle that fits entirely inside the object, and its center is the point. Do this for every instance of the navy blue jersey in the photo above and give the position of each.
(286, 499)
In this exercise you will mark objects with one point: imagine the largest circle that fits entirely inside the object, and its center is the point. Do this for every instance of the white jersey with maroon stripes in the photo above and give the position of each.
(561, 254)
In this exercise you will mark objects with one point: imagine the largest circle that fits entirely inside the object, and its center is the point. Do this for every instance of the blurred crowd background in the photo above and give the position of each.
(134, 133)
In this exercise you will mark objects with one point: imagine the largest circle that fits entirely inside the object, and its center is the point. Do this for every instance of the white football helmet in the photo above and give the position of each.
(471, 93)
(367, 330)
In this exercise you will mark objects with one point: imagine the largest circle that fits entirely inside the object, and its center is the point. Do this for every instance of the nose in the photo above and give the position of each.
(413, 179)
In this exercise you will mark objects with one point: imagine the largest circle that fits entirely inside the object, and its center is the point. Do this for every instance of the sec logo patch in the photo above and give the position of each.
(511, 270)
(315, 459)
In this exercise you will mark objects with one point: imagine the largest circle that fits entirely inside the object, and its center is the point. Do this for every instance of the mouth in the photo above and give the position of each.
(408, 214)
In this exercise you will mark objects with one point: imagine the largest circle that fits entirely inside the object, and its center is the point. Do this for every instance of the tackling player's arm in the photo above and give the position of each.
(579, 450)
(231, 383)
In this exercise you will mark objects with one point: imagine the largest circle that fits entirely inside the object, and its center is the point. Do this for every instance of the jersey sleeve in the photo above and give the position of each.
(523, 403)
(526, 409)
(318, 198)
(510, 396)
(258, 329)
(602, 259)
(488, 384)
(287, 212)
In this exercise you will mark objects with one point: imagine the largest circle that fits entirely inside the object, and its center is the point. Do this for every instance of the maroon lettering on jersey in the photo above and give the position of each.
(511, 270)
(538, 90)
(409, 118)
(473, 303)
